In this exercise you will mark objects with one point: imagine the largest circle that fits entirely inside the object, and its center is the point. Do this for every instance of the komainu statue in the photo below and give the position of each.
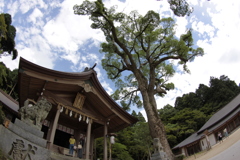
(35, 114)
(157, 145)
(158, 154)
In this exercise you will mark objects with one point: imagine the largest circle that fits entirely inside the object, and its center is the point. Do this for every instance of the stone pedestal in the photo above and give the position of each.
(156, 156)
(159, 156)
(21, 141)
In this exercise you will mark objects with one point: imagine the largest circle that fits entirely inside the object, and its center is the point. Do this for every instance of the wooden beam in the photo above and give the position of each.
(111, 116)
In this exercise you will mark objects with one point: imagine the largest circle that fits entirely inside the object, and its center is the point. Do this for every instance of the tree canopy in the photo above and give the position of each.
(7, 36)
(143, 45)
(140, 49)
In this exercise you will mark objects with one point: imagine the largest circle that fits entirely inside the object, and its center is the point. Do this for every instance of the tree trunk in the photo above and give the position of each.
(156, 126)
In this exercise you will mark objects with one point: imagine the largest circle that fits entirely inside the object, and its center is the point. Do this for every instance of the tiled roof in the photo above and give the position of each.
(194, 137)
(222, 114)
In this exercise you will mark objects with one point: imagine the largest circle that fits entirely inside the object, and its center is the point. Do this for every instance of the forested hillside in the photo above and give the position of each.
(192, 110)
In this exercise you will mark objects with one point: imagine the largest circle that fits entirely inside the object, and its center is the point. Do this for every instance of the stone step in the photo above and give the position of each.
(28, 128)
(56, 156)
(22, 129)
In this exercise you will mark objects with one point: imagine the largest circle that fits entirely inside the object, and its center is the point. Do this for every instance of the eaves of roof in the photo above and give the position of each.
(222, 114)
(9, 101)
(90, 74)
(191, 139)
(24, 64)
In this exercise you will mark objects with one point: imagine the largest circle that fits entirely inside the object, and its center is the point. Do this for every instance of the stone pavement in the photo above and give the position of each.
(218, 148)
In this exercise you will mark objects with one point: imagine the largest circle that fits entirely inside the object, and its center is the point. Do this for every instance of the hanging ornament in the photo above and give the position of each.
(70, 114)
(66, 112)
(61, 109)
(84, 118)
(87, 120)
(80, 117)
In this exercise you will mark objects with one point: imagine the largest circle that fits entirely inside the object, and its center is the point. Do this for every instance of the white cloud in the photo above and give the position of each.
(36, 16)
(11, 64)
(221, 48)
(107, 87)
(181, 26)
(47, 32)
(12, 8)
(72, 56)
(26, 5)
(144, 114)
(203, 28)
(69, 31)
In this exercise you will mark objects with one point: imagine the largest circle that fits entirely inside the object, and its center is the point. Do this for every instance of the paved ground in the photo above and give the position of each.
(227, 150)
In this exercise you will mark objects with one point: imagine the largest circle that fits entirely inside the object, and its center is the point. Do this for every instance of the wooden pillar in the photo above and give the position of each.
(54, 127)
(88, 139)
(105, 141)
(49, 131)
(92, 146)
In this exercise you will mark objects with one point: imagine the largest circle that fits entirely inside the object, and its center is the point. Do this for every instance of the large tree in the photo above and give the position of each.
(141, 48)
(7, 36)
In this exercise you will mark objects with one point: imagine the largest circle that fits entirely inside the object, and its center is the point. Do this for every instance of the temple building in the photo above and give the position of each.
(227, 118)
(80, 106)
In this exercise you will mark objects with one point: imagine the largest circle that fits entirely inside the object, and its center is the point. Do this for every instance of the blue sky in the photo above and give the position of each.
(50, 35)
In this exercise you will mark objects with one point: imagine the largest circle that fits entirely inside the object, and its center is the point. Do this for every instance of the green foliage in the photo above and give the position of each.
(3, 28)
(3, 74)
(190, 100)
(192, 110)
(119, 151)
(8, 80)
(189, 119)
(133, 142)
(7, 35)
(180, 7)
(137, 139)
(167, 112)
(99, 147)
(183, 124)
(140, 48)
(140, 117)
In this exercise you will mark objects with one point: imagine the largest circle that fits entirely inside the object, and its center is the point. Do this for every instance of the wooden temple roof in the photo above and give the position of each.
(7, 100)
(61, 89)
